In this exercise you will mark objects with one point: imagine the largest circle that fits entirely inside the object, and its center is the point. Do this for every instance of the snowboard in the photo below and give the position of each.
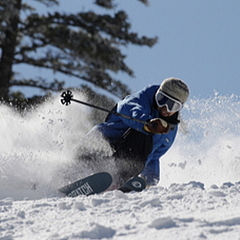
(93, 184)
(133, 184)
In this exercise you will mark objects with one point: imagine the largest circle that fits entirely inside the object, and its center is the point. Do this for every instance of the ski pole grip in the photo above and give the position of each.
(153, 125)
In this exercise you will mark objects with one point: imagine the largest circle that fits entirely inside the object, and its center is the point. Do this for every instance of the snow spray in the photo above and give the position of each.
(38, 148)
(206, 148)
(38, 145)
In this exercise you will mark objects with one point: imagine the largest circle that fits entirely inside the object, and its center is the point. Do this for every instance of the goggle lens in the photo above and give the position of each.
(172, 104)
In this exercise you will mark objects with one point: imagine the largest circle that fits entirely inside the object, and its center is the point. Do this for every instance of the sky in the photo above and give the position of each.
(199, 42)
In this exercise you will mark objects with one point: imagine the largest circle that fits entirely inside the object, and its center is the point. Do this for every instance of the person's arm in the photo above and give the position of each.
(137, 106)
(151, 172)
(140, 106)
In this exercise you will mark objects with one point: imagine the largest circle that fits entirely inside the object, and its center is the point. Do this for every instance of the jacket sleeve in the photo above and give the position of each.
(151, 172)
(137, 106)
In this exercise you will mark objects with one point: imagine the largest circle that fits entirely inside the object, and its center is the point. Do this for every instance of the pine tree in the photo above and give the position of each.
(85, 45)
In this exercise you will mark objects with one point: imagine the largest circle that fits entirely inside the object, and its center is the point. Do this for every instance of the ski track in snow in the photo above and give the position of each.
(198, 196)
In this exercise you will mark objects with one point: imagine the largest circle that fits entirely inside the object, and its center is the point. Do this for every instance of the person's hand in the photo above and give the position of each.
(157, 126)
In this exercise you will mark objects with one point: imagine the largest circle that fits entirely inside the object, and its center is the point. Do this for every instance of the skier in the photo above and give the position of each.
(137, 146)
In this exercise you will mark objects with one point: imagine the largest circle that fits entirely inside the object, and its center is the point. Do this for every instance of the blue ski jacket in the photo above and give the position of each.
(140, 105)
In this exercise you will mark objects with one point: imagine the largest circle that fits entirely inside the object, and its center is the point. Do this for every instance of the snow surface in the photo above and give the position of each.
(198, 196)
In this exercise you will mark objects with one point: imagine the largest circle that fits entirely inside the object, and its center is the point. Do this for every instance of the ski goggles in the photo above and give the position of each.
(171, 104)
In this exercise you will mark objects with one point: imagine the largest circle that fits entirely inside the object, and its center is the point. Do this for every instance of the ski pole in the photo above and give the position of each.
(67, 97)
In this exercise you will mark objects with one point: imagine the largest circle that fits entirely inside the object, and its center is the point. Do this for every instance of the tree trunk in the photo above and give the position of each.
(8, 49)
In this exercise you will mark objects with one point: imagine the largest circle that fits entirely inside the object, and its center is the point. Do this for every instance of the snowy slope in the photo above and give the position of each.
(198, 196)
(178, 212)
